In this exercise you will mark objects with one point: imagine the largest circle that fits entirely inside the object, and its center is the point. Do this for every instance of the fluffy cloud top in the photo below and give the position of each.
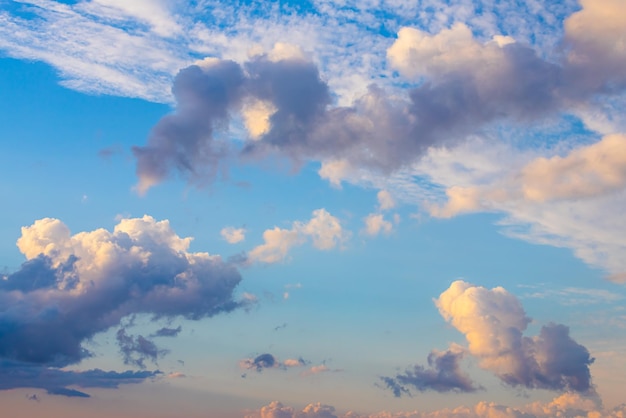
(493, 322)
(74, 286)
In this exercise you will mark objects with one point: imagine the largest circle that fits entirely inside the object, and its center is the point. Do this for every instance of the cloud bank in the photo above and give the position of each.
(565, 405)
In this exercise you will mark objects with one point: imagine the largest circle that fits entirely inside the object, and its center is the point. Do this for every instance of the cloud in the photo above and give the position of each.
(233, 235)
(183, 141)
(153, 13)
(565, 405)
(323, 229)
(375, 223)
(444, 374)
(268, 361)
(168, 332)
(585, 172)
(570, 199)
(385, 200)
(55, 381)
(321, 368)
(461, 86)
(596, 36)
(74, 286)
(136, 349)
(493, 322)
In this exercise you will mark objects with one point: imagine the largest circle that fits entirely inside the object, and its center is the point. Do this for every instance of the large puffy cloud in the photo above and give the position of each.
(323, 229)
(566, 405)
(74, 286)
(493, 322)
(463, 85)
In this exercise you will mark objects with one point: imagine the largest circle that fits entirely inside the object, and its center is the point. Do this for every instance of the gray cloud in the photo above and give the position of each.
(136, 349)
(168, 332)
(444, 374)
(55, 381)
(269, 361)
(74, 286)
(183, 141)
(260, 362)
(462, 87)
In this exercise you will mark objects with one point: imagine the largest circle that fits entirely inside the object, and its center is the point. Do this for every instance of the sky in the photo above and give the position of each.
(313, 209)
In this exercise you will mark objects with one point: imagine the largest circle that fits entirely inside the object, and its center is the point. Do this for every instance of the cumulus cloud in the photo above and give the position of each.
(493, 322)
(375, 223)
(233, 235)
(565, 405)
(74, 286)
(323, 229)
(444, 374)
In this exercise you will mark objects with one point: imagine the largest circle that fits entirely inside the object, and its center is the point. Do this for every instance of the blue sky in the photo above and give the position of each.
(312, 209)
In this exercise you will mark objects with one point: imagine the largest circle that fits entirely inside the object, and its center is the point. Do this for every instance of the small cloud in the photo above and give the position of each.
(168, 332)
(385, 200)
(443, 374)
(268, 361)
(233, 235)
(375, 223)
(323, 229)
(279, 327)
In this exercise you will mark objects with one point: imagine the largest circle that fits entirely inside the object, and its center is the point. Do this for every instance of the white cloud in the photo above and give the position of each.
(571, 201)
(417, 54)
(375, 223)
(233, 235)
(323, 229)
(385, 200)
